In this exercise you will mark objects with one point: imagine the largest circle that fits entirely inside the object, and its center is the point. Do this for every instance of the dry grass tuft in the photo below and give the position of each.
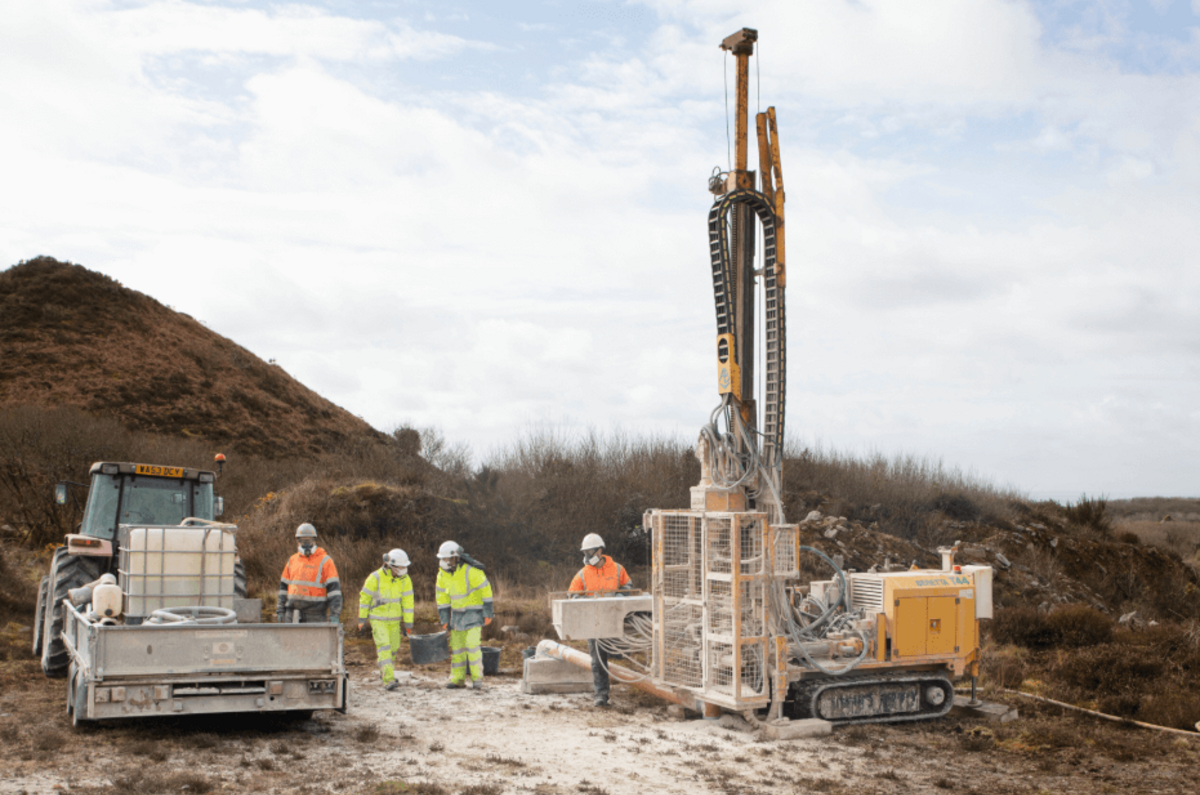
(366, 734)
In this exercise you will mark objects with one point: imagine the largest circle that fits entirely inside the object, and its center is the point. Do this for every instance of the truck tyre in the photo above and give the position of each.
(39, 616)
(66, 572)
(239, 579)
(79, 701)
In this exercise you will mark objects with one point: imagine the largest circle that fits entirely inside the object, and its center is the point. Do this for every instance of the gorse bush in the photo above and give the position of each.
(1090, 512)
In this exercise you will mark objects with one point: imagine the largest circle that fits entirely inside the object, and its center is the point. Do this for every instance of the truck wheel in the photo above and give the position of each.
(71, 690)
(39, 616)
(239, 579)
(66, 572)
(79, 707)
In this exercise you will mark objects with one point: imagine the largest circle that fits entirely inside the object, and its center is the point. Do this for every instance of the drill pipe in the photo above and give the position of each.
(682, 697)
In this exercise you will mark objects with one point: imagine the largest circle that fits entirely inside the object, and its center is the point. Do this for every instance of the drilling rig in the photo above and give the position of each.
(729, 624)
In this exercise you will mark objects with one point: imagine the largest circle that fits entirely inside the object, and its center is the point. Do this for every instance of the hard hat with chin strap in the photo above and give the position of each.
(449, 549)
(396, 559)
(592, 541)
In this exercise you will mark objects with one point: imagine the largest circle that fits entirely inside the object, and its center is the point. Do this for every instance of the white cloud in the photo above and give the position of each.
(991, 245)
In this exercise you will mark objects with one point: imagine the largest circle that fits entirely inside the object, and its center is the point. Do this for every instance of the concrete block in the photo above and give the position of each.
(596, 617)
(785, 729)
(993, 713)
(548, 675)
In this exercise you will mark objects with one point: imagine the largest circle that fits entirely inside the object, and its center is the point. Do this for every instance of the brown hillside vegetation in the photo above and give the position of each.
(74, 337)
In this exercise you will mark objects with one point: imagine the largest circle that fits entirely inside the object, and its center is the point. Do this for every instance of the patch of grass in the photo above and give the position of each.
(507, 761)
(481, 789)
(153, 781)
(366, 734)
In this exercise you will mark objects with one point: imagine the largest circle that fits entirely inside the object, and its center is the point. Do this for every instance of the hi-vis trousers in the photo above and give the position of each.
(465, 651)
(387, 642)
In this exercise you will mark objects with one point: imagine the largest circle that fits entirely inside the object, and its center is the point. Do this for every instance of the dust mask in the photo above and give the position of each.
(446, 564)
(306, 549)
(398, 571)
(592, 558)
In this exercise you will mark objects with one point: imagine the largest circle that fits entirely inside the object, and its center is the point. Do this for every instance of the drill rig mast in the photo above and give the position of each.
(744, 458)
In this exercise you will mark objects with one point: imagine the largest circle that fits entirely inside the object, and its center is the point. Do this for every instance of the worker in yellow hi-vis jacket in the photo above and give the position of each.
(387, 602)
(464, 601)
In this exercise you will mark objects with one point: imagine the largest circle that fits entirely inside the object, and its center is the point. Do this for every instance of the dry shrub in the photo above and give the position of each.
(1079, 625)
(908, 496)
(1091, 513)
(1177, 709)
(1023, 626)
(1006, 670)
(1108, 669)
(152, 780)
(18, 596)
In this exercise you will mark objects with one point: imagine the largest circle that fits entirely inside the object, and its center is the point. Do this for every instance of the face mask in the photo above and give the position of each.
(398, 571)
(446, 564)
(593, 559)
(306, 549)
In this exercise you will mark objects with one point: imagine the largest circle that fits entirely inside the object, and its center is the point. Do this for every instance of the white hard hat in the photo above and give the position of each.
(449, 549)
(592, 541)
(396, 558)
(306, 531)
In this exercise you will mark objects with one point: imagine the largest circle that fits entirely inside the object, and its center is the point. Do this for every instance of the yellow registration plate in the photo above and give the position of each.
(159, 472)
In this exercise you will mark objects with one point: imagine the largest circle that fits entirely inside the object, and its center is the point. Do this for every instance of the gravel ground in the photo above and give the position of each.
(423, 738)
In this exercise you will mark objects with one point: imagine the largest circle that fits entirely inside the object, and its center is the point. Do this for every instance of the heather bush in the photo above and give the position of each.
(1075, 626)
(1023, 626)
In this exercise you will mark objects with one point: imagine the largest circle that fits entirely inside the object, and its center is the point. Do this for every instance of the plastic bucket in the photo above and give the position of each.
(528, 652)
(427, 649)
(491, 660)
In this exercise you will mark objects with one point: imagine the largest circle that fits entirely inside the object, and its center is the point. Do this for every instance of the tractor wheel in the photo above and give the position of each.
(239, 579)
(39, 616)
(66, 572)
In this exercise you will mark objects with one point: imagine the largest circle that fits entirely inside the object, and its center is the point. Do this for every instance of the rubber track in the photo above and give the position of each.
(805, 695)
(773, 306)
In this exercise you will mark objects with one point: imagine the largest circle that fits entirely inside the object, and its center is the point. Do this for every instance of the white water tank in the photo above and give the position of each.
(176, 567)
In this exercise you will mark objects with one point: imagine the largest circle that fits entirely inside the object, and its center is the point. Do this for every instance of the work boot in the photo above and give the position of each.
(452, 685)
(477, 684)
(600, 702)
(393, 685)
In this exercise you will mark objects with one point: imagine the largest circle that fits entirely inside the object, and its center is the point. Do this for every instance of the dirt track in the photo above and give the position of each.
(425, 739)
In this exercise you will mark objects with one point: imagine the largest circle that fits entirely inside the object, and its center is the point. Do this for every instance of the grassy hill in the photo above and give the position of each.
(74, 337)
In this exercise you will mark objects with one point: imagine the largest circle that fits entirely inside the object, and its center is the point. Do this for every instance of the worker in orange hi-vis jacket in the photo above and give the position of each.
(599, 573)
(309, 589)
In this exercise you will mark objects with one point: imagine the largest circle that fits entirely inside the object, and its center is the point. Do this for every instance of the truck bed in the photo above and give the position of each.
(129, 671)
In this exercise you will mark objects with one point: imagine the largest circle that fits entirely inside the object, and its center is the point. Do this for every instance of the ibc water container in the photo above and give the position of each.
(176, 567)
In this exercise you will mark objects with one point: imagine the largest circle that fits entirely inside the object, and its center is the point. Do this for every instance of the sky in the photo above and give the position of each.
(490, 217)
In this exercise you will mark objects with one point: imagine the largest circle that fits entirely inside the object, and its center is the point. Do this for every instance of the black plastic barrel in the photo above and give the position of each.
(427, 649)
(491, 660)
